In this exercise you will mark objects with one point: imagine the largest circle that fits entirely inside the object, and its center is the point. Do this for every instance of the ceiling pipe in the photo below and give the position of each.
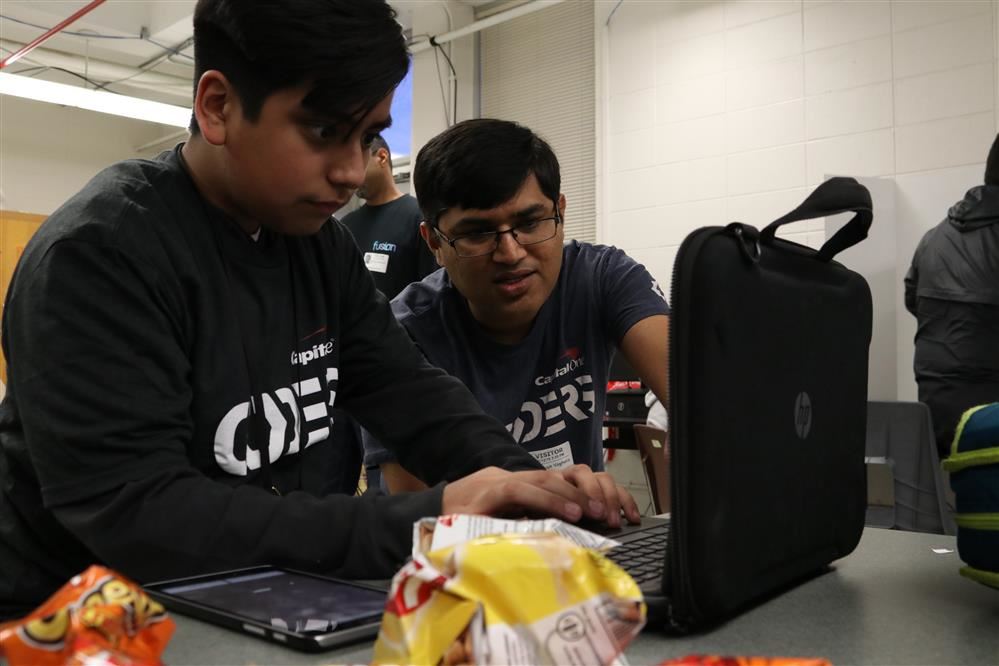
(471, 28)
(174, 86)
(495, 7)
(31, 46)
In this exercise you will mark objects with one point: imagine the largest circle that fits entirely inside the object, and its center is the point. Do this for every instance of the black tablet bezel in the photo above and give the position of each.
(230, 619)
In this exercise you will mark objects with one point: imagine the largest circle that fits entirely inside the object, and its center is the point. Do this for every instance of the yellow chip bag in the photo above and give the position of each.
(527, 597)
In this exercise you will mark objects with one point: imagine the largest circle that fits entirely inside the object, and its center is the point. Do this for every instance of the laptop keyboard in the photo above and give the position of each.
(643, 558)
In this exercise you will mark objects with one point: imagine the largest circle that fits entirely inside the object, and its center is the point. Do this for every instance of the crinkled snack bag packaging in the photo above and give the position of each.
(715, 660)
(528, 597)
(97, 618)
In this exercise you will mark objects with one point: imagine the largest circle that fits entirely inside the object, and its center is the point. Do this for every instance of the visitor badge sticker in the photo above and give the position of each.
(376, 262)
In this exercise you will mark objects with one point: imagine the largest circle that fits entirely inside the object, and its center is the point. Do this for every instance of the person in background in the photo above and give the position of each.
(952, 288)
(178, 330)
(387, 227)
(529, 323)
(387, 230)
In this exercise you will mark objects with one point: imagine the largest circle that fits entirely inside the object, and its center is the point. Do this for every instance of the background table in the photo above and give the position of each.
(893, 601)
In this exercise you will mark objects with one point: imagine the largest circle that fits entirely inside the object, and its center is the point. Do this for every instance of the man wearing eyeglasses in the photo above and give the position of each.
(528, 323)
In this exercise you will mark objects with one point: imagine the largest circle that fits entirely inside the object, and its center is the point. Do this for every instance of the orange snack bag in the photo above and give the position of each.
(97, 617)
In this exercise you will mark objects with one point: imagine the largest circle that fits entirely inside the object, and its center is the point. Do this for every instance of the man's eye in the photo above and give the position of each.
(530, 225)
(478, 239)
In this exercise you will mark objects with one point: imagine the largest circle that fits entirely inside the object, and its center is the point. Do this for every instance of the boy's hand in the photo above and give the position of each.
(601, 485)
(568, 494)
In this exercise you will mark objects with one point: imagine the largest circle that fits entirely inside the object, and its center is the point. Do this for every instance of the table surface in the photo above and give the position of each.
(893, 601)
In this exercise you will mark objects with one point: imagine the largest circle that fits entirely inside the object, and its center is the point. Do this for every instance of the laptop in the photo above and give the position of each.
(768, 407)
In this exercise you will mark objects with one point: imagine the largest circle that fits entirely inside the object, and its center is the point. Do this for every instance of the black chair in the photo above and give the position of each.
(900, 440)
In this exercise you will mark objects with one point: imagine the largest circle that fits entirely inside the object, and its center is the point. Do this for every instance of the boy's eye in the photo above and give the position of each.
(323, 132)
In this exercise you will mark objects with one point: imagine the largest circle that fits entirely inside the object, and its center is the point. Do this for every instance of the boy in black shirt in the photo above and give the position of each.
(178, 332)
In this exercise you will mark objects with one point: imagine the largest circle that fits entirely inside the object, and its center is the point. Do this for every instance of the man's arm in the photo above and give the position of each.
(911, 280)
(646, 347)
(911, 288)
(636, 317)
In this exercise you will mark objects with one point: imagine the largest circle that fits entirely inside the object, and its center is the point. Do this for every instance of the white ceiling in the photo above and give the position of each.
(114, 41)
(109, 44)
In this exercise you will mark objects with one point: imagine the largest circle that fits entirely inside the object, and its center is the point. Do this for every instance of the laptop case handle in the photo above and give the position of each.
(836, 195)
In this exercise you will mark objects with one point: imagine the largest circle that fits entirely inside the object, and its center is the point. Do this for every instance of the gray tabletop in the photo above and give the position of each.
(893, 601)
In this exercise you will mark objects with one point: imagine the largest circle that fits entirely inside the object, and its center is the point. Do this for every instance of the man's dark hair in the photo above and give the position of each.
(377, 144)
(481, 164)
(992, 164)
(351, 52)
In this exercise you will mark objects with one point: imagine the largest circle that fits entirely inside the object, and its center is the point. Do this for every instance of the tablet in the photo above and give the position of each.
(301, 610)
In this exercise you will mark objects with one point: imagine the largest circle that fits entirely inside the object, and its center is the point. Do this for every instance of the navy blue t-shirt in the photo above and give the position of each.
(550, 388)
(389, 237)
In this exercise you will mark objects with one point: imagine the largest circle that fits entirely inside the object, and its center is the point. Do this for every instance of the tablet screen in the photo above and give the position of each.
(286, 600)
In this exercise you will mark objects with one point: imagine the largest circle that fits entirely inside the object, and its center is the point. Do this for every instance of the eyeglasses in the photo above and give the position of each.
(525, 233)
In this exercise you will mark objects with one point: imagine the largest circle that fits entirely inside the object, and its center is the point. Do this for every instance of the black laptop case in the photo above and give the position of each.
(768, 393)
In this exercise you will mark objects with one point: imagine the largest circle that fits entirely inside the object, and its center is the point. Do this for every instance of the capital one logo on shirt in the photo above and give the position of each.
(573, 361)
(308, 402)
(570, 396)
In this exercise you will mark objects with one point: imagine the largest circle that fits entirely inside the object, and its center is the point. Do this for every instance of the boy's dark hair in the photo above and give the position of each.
(992, 164)
(480, 164)
(352, 52)
(377, 144)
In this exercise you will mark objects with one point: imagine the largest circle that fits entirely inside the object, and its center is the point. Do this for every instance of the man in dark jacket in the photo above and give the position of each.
(952, 288)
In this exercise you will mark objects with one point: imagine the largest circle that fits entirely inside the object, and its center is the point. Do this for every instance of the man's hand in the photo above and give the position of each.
(569, 494)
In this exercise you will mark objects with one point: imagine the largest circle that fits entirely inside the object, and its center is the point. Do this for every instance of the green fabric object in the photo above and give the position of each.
(976, 439)
(974, 467)
(978, 521)
(990, 578)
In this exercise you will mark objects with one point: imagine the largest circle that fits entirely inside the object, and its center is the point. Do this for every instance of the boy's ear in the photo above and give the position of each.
(214, 102)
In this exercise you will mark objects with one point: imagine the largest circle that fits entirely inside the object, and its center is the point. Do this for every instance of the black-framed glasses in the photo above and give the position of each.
(530, 232)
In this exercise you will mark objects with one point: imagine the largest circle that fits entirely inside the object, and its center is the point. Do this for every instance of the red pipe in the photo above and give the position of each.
(24, 50)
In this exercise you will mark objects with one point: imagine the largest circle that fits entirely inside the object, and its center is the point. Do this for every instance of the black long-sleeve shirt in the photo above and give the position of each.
(140, 327)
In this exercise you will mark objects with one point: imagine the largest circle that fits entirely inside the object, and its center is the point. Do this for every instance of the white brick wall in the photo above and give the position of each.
(722, 110)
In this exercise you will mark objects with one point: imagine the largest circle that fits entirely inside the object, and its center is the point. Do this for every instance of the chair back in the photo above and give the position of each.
(653, 447)
(900, 438)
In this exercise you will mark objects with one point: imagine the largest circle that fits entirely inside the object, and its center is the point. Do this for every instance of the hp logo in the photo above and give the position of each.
(802, 415)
